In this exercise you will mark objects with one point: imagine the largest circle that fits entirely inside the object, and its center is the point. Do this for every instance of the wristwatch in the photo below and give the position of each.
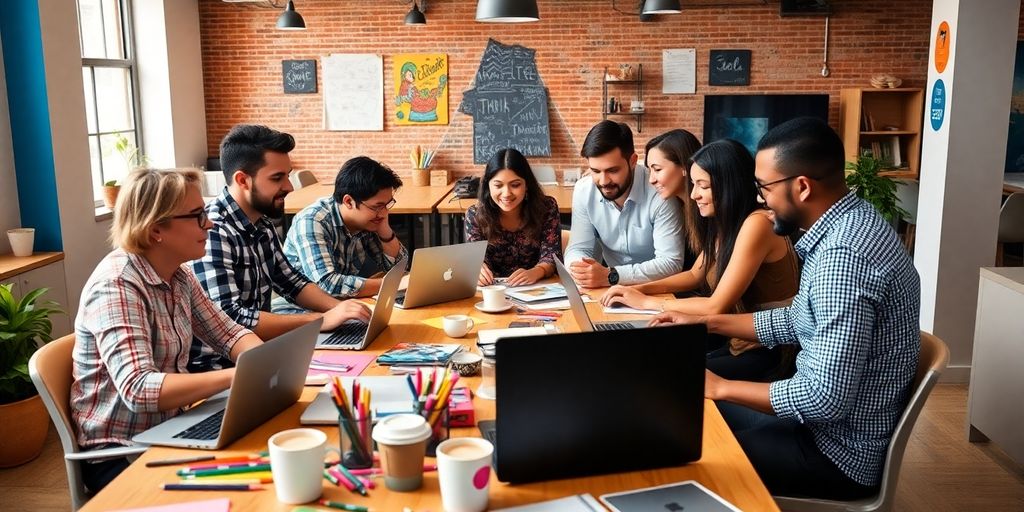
(613, 277)
(392, 237)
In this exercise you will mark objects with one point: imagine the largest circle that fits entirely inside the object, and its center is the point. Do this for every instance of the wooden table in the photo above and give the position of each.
(456, 208)
(410, 200)
(724, 468)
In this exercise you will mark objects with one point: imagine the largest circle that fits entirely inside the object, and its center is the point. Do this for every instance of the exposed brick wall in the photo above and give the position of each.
(575, 40)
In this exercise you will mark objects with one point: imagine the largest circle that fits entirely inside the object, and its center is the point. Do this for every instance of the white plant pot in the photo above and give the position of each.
(22, 240)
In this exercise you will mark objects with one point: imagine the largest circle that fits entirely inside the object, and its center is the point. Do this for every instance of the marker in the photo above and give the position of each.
(344, 506)
(225, 481)
(228, 471)
(175, 462)
(359, 487)
(204, 487)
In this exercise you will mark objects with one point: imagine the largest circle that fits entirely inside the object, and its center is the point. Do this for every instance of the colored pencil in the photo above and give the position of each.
(343, 506)
(262, 475)
(218, 481)
(175, 462)
(223, 487)
(218, 465)
(229, 471)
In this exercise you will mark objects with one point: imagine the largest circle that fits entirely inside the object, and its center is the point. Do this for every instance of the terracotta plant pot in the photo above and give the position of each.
(110, 195)
(23, 428)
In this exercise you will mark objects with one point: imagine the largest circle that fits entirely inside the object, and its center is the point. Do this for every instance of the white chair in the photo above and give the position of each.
(906, 196)
(301, 179)
(932, 361)
(50, 369)
(1011, 224)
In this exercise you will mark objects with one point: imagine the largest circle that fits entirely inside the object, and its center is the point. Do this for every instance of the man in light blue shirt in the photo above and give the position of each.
(615, 209)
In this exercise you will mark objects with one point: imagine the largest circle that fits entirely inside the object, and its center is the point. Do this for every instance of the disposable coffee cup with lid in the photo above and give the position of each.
(402, 441)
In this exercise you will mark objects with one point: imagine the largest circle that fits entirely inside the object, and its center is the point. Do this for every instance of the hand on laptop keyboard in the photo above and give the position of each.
(345, 311)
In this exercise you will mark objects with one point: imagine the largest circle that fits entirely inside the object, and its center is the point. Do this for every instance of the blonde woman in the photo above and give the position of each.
(138, 314)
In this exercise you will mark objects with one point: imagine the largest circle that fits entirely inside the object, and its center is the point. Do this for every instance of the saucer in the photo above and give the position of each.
(480, 305)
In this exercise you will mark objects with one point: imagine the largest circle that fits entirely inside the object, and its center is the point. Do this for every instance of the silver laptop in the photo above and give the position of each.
(268, 379)
(356, 335)
(579, 309)
(443, 274)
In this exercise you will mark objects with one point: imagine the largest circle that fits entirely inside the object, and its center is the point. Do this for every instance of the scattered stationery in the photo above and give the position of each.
(353, 410)
(211, 487)
(431, 390)
(577, 503)
(217, 505)
(688, 495)
(343, 506)
(390, 396)
(623, 310)
(175, 462)
(438, 321)
(536, 293)
(460, 408)
(326, 365)
(426, 354)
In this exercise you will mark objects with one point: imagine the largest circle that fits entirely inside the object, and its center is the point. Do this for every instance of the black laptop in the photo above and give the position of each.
(591, 403)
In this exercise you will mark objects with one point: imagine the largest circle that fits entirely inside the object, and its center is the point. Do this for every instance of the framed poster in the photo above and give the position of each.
(729, 67)
(1015, 135)
(421, 88)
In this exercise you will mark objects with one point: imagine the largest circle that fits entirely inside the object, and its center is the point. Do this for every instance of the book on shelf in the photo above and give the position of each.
(894, 152)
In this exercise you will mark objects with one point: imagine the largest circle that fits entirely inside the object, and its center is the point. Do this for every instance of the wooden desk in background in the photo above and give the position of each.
(456, 208)
(410, 200)
(723, 467)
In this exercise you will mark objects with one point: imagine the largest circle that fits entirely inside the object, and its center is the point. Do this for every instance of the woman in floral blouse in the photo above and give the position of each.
(518, 221)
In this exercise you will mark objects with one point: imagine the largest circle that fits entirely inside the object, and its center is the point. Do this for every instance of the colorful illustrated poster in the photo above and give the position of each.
(421, 88)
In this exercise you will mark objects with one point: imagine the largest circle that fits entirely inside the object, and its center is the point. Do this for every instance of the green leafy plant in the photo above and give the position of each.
(111, 183)
(132, 156)
(24, 326)
(864, 177)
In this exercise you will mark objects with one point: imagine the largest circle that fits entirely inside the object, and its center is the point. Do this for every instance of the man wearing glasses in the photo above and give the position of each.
(244, 261)
(341, 241)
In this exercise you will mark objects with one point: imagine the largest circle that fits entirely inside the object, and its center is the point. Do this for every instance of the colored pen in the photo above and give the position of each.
(220, 465)
(360, 488)
(222, 487)
(343, 506)
(412, 387)
(367, 482)
(261, 475)
(218, 481)
(330, 478)
(229, 471)
(340, 479)
(175, 462)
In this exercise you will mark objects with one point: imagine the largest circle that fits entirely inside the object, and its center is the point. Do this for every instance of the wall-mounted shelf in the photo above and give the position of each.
(638, 83)
(883, 123)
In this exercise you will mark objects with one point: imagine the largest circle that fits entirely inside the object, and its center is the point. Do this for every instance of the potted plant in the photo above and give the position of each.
(110, 191)
(864, 177)
(24, 326)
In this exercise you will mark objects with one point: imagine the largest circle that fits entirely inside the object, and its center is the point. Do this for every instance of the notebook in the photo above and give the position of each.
(536, 293)
(425, 354)
(343, 364)
(577, 503)
(688, 495)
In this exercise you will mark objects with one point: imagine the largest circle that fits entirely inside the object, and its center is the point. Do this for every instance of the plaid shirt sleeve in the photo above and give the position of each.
(843, 301)
(287, 281)
(310, 243)
(209, 323)
(216, 273)
(117, 315)
(375, 250)
(774, 327)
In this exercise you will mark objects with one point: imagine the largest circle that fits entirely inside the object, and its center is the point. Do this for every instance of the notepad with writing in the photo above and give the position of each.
(688, 495)
(577, 503)
(218, 505)
(342, 364)
(426, 354)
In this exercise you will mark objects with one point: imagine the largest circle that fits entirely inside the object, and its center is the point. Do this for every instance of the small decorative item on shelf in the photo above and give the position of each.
(421, 160)
(22, 240)
(636, 106)
(110, 191)
(626, 72)
(885, 81)
(439, 178)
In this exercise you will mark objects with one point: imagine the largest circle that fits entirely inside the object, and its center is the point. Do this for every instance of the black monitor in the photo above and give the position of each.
(746, 118)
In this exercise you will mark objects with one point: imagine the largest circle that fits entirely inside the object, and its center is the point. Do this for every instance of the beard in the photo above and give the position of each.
(783, 226)
(615, 191)
(266, 206)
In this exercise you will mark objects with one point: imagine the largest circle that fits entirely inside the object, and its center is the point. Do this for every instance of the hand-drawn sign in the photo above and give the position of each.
(729, 67)
(299, 76)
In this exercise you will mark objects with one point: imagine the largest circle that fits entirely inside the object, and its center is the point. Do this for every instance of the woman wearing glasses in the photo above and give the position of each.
(742, 264)
(519, 222)
(138, 314)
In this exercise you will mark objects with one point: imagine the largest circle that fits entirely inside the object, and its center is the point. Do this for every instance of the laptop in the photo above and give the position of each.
(355, 335)
(268, 379)
(443, 274)
(610, 409)
(579, 309)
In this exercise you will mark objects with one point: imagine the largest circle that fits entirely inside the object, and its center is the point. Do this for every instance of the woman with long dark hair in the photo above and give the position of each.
(742, 264)
(519, 222)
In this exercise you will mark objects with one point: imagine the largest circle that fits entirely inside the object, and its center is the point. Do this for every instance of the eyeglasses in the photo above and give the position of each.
(761, 186)
(380, 209)
(200, 216)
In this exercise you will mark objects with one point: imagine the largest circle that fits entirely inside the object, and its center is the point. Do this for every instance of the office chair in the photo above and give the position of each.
(932, 361)
(1011, 224)
(301, 179)
(50, 369)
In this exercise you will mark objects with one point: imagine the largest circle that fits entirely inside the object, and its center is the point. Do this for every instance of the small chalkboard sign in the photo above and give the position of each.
(299, 76)
(729, 67)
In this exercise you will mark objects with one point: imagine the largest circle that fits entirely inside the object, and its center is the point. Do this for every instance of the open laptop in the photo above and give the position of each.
(442, 274)
(579, 309)
(268, 379)
(609, 409)
(356, 335)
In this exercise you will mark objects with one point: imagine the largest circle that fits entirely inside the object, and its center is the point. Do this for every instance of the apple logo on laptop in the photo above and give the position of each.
(274, 379)
(448, 274)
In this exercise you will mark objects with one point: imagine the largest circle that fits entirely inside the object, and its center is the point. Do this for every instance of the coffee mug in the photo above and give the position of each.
(402, 442)
(494, 296)
(297, 464)
(457, 326)
(464, 473)
(467, 363)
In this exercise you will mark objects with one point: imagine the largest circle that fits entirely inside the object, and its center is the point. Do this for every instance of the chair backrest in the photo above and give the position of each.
(301, 179)
(1011, 219)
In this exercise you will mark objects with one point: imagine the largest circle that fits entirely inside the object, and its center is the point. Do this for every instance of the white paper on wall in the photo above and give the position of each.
(679, 71)
(353, 92)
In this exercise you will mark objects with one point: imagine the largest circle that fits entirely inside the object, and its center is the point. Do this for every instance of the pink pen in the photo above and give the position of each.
(367, 482)
(345, 482)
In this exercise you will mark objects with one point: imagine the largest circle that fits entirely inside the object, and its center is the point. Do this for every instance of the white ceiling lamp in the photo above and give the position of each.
(507, 11)
(661, 7)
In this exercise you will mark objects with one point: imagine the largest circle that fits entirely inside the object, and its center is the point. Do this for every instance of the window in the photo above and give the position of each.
(108, 72)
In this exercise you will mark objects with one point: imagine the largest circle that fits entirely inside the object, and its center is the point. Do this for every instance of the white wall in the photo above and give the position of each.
(9, 215)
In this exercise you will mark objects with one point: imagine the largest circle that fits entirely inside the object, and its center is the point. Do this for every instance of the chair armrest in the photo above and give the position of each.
(107, 453)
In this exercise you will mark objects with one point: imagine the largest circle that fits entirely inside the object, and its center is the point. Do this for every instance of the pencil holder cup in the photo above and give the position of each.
(421, 177)
(356, 443)
(438, 429)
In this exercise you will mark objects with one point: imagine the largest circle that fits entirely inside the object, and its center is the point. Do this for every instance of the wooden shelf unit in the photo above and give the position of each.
(638, 82)
(868, 115)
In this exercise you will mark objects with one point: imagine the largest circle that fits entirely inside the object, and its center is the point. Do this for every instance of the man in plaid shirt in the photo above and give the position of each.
(340, 242)
(244, 261)
(824, 432)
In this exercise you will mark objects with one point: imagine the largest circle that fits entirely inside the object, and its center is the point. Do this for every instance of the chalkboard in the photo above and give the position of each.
(729, 67)
(299, 76)
(509, 104)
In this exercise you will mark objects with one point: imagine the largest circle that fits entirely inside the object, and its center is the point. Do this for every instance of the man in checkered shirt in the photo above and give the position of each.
(244, 261)
(824, 432)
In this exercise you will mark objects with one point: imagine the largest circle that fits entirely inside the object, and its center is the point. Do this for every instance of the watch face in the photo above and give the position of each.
(613, 277)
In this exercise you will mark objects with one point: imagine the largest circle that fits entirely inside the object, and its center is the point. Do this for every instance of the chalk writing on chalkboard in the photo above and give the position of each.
(729, 67)
(509, 104)
(299, 76)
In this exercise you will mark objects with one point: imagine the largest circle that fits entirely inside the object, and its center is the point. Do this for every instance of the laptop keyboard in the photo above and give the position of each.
(400, 298)
(204, 430)
(348, 333)
(613, 326)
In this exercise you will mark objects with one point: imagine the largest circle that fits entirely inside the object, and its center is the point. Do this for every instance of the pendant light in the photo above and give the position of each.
(661, 7)
(415, 16)
(289, 19)
(507, 11)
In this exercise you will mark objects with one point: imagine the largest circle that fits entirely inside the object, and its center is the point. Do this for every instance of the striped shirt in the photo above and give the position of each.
(856, 319)
(327, 253)
(132, 329)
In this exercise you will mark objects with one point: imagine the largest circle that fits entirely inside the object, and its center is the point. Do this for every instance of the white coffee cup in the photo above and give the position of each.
(297, 464)
(22, 240)
(494, 296)
(457, 326)
(464, 473)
